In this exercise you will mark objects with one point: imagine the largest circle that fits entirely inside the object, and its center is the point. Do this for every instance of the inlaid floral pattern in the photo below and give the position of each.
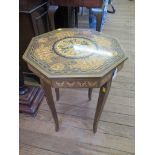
(74, 47)
(74, 52)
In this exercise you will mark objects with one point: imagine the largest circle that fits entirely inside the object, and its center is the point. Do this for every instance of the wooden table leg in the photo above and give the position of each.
(50, 102)
(90, 93)
(57, 94)
(103, 94)
(76, 17)
(51, 12)
(99, 20)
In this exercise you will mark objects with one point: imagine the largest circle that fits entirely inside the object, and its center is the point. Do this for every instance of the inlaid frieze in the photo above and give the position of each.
(75, 83)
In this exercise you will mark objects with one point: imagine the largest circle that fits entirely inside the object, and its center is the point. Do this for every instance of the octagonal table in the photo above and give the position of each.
(75, 58)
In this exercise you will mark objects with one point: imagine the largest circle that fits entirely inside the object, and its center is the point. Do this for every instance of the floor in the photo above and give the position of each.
(115, 135)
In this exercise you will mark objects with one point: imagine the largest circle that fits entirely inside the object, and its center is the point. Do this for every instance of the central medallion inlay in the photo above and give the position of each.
(74, 47)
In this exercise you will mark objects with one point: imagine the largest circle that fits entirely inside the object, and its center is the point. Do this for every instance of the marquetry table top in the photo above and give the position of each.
(74, 53)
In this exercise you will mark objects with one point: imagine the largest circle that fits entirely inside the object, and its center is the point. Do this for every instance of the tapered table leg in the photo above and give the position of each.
(99, 20)
(103, 94)
(50, 102)
(90, 93)
(57, 94)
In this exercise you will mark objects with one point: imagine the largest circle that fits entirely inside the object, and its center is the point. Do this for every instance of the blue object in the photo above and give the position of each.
(92, 16)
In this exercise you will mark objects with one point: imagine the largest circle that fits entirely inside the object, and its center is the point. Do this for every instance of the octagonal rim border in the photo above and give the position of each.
(98, 75)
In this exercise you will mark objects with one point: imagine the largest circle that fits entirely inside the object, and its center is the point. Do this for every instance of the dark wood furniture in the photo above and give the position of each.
(33, 20)
(62, 17)
(30, 97)
(85, 3)
(77, 3)
(29, 102)
(75, 58)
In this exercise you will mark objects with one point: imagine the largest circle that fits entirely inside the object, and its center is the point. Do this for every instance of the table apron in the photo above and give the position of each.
(81, 82)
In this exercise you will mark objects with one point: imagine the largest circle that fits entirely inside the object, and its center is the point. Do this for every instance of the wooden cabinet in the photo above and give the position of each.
(33, 20)
(75, 3)
(64, 17)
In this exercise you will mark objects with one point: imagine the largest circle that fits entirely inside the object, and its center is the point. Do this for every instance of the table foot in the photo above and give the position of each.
(90, 93)
(50, 102)
(103, 94)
